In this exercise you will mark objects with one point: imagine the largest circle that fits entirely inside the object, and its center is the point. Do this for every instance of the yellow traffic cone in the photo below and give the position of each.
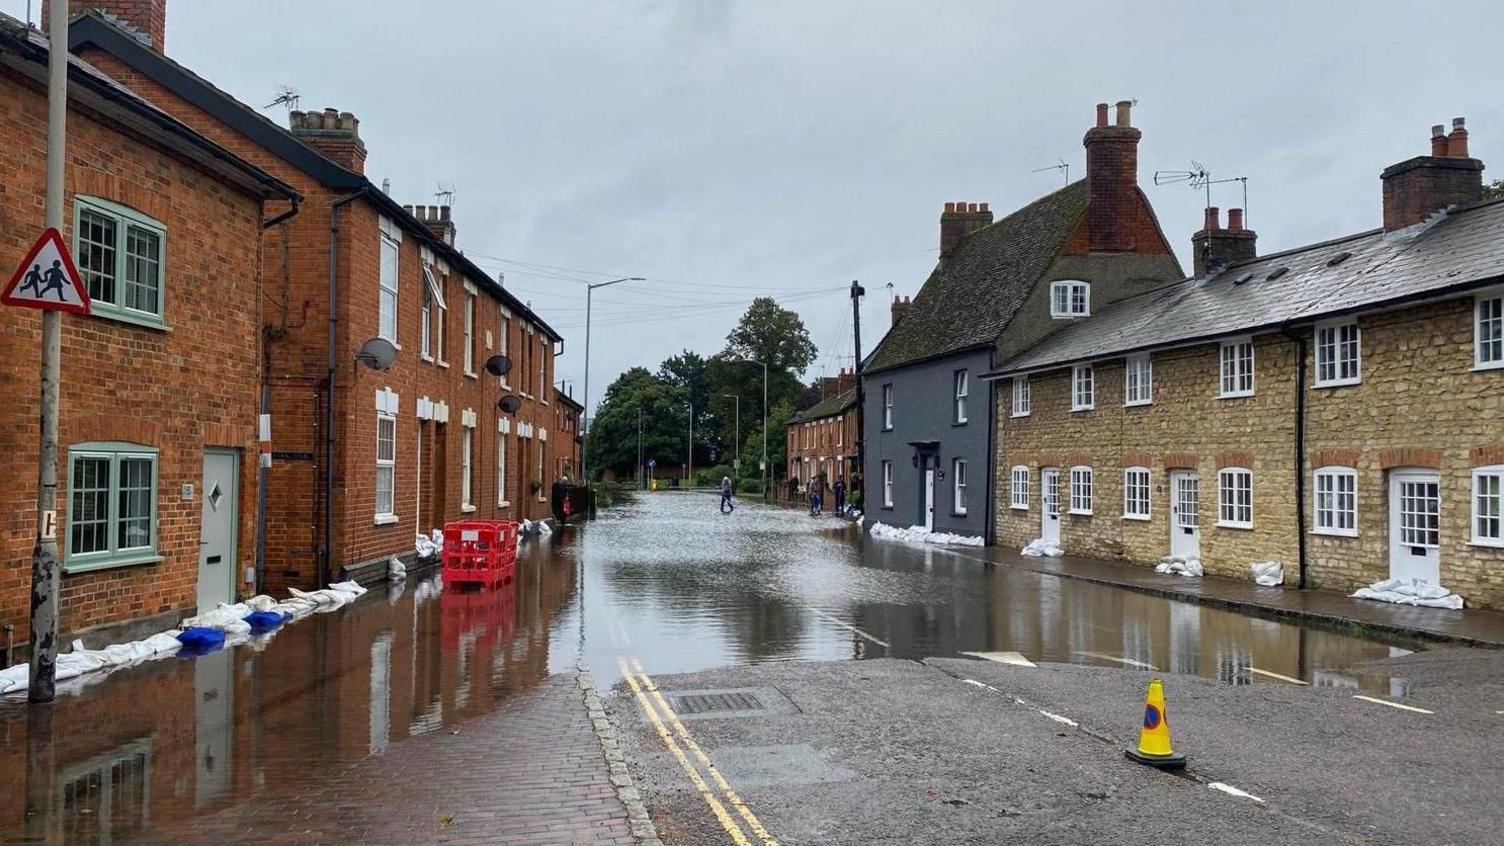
(1154, 738)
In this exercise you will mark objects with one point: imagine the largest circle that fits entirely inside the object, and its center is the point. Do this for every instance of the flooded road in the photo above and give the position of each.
(665, 579)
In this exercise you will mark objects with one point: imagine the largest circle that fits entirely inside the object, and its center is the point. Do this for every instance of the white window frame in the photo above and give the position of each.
(1331, 348)
(501, 470)
(504, 340)
(1018, 497)
(888, 407)
(389, 285)
(124, 219)
(1021, 399)
(1070, 299)
(1230, 510)
(1476, 515)
(1136, 480)
(1082, 483)
(467, 464)
(958, 486)
(1138, 380)
(1083, 400)
(470, 334)
(1490, 303)
(1326, 505)
(1236, 371)
(433, 306)
(113, 554)
(887, 484)
(961, 383)
(386, 467)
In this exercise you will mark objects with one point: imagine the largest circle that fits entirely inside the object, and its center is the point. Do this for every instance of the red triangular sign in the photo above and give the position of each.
(47, 279)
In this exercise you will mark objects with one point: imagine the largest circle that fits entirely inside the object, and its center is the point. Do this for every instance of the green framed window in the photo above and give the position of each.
(122, 256)
(112, 506)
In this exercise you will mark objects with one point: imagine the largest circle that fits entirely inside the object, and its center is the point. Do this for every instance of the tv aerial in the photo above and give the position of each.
(286, 96)
(1060, 165)
(444, 196)
(1199, 177)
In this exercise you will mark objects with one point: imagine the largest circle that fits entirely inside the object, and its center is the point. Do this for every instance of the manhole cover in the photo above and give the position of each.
(700, 703)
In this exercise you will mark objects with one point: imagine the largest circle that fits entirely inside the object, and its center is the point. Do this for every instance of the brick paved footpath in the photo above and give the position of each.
(530, 774)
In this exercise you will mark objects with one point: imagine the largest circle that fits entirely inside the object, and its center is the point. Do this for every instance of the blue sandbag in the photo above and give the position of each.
(201, 639)
(264, 621)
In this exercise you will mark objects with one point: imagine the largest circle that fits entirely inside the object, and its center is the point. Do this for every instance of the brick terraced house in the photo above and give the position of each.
(1339, 407)
(363, 459)
(157, 407)
(822, 439)
(567, 450)
(997, 289)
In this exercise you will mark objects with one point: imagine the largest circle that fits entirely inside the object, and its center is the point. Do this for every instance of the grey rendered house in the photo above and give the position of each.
(930, 422)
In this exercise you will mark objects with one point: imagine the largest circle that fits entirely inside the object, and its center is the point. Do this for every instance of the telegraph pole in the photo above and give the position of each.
(642, 482)
(857, 291)
(44, 575)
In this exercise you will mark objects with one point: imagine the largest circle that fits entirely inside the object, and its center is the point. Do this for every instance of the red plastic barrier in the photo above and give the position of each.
(480, 551)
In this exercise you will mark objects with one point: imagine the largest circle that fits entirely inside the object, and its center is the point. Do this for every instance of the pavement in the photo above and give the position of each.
(962, 751)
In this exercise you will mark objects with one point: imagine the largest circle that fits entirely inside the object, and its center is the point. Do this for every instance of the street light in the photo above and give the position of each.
(585, 453)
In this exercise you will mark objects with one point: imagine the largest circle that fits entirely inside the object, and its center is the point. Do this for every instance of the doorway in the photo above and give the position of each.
(217, 562)
(1049, 529)
(1185, 514)
(1415, 525)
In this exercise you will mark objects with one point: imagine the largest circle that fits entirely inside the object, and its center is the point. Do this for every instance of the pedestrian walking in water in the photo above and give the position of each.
(839, 489)
(727, 506)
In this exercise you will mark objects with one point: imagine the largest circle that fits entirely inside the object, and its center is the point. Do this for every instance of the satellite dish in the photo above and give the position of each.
(377, 354)
(498, 365)
(509, 403)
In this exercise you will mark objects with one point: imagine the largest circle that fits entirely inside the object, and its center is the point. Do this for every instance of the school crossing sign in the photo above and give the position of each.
(48, 279)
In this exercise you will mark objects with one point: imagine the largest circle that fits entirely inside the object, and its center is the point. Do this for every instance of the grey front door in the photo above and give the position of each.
(217, 532)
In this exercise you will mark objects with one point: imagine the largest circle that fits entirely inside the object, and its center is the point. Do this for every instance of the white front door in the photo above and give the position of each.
(1185, 514)
(213, 724)
(217, 531)
(1415, 525)
(1050, 505)
(929, 495)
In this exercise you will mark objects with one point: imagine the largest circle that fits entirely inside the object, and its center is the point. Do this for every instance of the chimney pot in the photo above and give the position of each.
(950, 207)
(1101, 114)
(971, 207)
(1438, 140)
(443, 212)
(1124, 113)
(1457, 141)
(1235, 220)
(984, 207)
(1213, 219)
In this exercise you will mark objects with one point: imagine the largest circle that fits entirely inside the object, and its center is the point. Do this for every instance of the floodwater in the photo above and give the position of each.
(664, 579)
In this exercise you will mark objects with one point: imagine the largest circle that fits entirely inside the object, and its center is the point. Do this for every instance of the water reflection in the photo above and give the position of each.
(144, 750)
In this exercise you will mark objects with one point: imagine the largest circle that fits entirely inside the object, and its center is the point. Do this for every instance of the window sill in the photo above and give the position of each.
(1142, 518)
(1055, 316)
(1138, 403)
(467, 509)
(141, 320)
(1243, 526)
(1079, 513)
(1487, 365)
(958, 424)
(1078, 408)
(471, 374)
(504, 504)
(113, 563)
(1335, 533)
(1235, 395)
(1486, 543)
(385, 519)
(442, 363)
(1016, 415)
(888, 507)
(1019, 507)
(426, 357)
(1337, 383)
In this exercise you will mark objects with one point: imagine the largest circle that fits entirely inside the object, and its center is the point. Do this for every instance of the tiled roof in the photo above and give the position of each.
(827, 407)
(972, 295)
(1458, 250)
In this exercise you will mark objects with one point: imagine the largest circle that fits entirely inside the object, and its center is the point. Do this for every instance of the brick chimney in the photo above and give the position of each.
(1416, 188)
(1112, 180)
(900, 307)
(1215, 248)
(959, 220)
(144, 19)
(436, 218)
(334, 133)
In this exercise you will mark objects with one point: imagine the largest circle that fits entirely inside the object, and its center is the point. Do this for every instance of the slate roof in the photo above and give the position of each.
(828, 407)
(971, 296)
(1452, 253)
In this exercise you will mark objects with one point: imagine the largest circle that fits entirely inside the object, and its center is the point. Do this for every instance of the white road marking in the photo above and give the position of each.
(1126, 661)
(1059, 719)
(1015, 658)
(1233, 791)
(1056, 717)
(1274, 675)
(981, 685)
(1392, 704)
(845, 625)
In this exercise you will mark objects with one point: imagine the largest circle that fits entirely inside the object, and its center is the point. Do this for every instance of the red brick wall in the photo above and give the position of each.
(178, 391)
(828, 443)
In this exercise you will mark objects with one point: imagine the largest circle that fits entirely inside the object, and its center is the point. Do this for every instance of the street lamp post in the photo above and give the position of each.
(585, 453)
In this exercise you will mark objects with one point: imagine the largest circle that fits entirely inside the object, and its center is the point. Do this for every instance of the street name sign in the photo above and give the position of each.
(48, 279)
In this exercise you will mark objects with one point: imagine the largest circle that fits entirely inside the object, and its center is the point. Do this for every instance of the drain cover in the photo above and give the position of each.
(700, 703)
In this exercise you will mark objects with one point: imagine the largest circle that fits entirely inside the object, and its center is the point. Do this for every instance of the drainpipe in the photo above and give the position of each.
(1300, 450)
(326, 556)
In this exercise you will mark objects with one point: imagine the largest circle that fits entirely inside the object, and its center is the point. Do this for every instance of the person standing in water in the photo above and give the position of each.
(727, 506)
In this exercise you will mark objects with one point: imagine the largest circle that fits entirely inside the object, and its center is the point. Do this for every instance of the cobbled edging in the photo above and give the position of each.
(642, 826)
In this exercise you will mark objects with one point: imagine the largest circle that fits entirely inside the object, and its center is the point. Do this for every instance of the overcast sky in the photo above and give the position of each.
(730, 149)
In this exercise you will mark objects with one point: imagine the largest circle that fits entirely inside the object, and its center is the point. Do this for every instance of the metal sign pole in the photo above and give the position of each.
(44, 564)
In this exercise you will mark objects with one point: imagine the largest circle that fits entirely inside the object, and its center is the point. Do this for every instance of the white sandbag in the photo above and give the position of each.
(1268, 573)
(227, 618)
(395, 569)
(427, 547)
(1040, 548)
(1178, 566)
(261, 602)
(919, 534)
(1410, 592)
(82, 661)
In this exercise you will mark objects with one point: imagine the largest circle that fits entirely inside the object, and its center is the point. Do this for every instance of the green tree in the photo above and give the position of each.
(768, 332)
(637, 398)
(1494, 190)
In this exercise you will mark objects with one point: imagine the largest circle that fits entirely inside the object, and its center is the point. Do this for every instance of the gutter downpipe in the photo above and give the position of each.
(327, 553)
(1300, 450)
(266, 410)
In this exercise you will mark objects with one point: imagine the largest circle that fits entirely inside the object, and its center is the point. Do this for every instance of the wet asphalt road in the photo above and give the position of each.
(663, 580)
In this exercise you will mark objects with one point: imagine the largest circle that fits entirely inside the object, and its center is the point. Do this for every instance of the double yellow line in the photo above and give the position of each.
(642, 684)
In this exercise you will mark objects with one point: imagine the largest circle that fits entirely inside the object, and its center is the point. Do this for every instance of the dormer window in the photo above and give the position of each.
(1069, 298)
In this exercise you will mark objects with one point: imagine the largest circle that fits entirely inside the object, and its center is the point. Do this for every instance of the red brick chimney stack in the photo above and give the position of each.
(436, 218)
(1417, 188)
(1112, 180)
(1214, 248)
(145, 19)
(334, 133)
(900, 307)
(959, 220)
